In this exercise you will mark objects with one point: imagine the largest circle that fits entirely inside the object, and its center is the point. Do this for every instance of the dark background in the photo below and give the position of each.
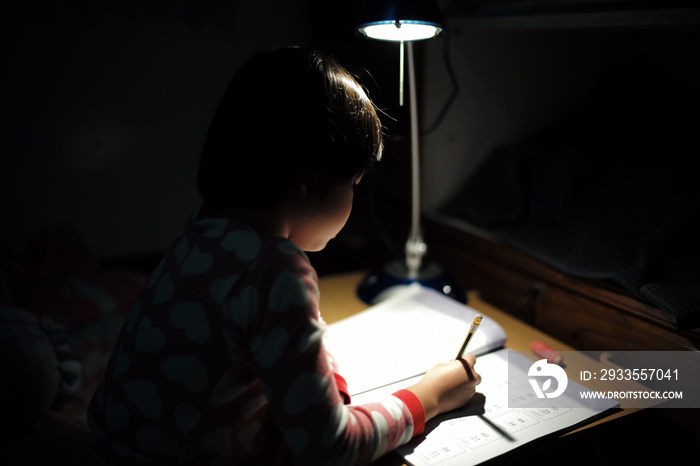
(105, 104)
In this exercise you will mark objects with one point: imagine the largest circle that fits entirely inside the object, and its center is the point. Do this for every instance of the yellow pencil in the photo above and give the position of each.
(472, 331)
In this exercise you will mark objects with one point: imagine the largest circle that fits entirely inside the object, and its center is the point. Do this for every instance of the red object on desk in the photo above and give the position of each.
(545, 351)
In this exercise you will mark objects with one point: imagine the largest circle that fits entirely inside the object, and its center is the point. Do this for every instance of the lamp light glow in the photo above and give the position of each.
(400, 31)
(400, 20)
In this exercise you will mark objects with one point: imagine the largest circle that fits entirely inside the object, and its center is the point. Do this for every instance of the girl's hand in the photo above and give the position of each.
(447, 386)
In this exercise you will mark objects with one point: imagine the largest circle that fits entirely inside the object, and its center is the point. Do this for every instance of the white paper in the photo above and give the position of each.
(405, 336)
(487, 427)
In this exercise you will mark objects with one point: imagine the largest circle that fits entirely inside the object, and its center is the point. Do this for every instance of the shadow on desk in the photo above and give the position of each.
(645, 437)
(650, 436)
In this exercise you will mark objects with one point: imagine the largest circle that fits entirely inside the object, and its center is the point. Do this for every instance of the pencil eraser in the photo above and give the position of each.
(543, 350)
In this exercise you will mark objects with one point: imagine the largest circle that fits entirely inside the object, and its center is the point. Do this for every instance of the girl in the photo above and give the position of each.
(222, 360)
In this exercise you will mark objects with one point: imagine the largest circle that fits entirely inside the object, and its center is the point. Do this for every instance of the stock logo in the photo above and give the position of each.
(544, 370)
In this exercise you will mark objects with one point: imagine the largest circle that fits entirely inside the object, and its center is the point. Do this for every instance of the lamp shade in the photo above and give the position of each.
(400, 20)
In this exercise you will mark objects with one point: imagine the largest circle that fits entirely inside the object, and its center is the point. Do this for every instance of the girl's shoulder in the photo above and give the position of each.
(234, 237)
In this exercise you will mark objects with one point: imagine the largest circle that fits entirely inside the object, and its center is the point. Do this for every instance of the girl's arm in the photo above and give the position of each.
(301, 384)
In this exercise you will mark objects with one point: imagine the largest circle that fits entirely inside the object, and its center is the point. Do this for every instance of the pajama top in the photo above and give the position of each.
(221, 361)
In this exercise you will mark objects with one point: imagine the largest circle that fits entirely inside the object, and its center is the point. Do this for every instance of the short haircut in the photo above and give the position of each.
(290, 117)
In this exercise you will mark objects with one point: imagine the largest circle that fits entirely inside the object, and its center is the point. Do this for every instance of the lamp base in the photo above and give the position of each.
(381, 283)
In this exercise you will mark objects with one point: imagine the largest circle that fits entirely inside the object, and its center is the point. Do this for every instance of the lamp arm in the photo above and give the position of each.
(415, 247)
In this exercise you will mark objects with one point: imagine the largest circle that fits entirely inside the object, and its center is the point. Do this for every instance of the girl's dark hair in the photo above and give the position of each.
(290, 117)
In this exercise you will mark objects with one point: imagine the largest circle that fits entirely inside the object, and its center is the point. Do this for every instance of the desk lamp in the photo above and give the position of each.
(405, 21)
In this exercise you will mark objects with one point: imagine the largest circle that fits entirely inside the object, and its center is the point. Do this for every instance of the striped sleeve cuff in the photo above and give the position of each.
(415, 407)
(342, 388)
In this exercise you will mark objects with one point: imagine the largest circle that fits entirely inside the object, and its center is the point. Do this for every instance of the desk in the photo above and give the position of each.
(338, 300)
